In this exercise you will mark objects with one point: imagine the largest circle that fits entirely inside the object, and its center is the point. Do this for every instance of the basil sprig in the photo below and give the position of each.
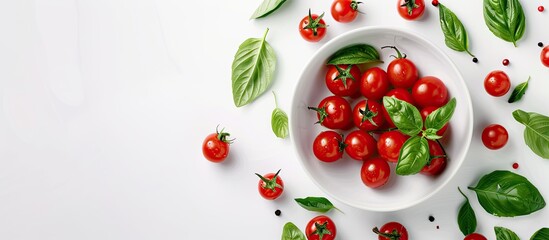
(316, 204)
(467, 220)
(542, 234)
(455, 35)
(536, 134)
(279, 121)
(355, 54)
(291, 232)
(507, 194)
(505, 19)
(519, 91)
(267, 7)
(252, 70)
(505, 234)
(414, 154)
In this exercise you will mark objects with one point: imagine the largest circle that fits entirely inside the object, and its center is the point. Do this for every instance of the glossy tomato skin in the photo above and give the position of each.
(327, 228)
(344, 11)
(214, 149)
(430, 91)
(307, 33)
(360, 145)
(374, 110)
(389, 145)
(374, 84)
(474, 236)
(428, 110)
(375, 172)
(494, 136)
(401, 94)
(416, 13)
(436, 165)
(497, 83)
(271, 194)
(402, 73)
(338, 113)
(544, 56)
(328, 147)
(335, 82)
(390, 228)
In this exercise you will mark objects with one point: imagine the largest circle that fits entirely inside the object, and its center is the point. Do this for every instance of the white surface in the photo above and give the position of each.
(104, 105)
(400, 192)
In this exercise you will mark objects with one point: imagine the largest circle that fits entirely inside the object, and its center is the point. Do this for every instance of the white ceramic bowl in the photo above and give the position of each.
(341, 180)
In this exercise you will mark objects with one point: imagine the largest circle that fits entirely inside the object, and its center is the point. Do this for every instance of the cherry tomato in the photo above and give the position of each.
(411, 9)
(328, 146)
(544, 56)
(428, 110)
(494, 136)
(345, 10)
(270, 185)
(402, 72)
(474, 236)
(216, 146)
(401, 94)
(392, 231)
(334, 112)
(375, 172)
(368, 120)
(437, 160)
(497, 83)
(321, 228)
(360, 145)
(312, 27)
(430, 91)
(389, 145)
(342, 80)
(374, 83)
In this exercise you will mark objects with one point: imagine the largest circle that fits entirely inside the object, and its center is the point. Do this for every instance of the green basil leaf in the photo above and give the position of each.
(519, 91)
(542, 234)
(316, 204)
(267, 7)
(536, 134)
(291, 232)
(505, 234)
(413, 156)
(431, 134)
(505, 18)
(467, 220)
(279, 121)
(405, 116)
(455, 35)
(438, 118)
(253, 70)
(355, 54)
(507, 194)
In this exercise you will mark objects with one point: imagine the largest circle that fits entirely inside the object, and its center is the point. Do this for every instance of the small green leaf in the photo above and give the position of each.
(413, 156)
(542, 234)
(455, 35)
(279, 121)
(267, 7)
(316, 204)
(438, 118)
(536, 134)
(519, 91)
(505, 234)
(405, 116)
(291, 232)
(431, 134)
(355, 54)
(505, 19)
(467, 220)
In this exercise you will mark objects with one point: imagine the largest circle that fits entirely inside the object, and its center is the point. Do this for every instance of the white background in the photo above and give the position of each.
(104, 105)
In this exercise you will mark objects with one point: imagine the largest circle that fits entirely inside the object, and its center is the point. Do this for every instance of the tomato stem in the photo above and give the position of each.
(399, 55)
(393, 235)
(223, 136)
(270, 183)
(410, 5)
(314, 24)
(321, 112)
(443, 151)
(367, 114)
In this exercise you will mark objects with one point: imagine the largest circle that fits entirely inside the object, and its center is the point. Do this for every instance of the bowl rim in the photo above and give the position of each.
(461, 83)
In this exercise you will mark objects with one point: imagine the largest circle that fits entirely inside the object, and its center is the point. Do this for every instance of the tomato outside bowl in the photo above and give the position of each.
(341, 179)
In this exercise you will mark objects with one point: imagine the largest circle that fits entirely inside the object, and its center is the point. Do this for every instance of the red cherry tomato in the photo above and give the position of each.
(392, 231)
(342, 80)
(374, 83)
(375, 172)
(312, 27)
(270, 185)
(544, 56)
(368, 120)
(215, 147)
(497, 83)
(474, 236)
(321, 228)
(411, 9)
(428, 110)
(328, 146)
(494, 136)
(345, 10)
(402, 72)
(430, 91)
(401, 94)
(334, 112)
(389, 145)
(437, 162)
(360, 145)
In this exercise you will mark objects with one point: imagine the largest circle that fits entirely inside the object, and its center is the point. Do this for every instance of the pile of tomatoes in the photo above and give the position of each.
(355, 107)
